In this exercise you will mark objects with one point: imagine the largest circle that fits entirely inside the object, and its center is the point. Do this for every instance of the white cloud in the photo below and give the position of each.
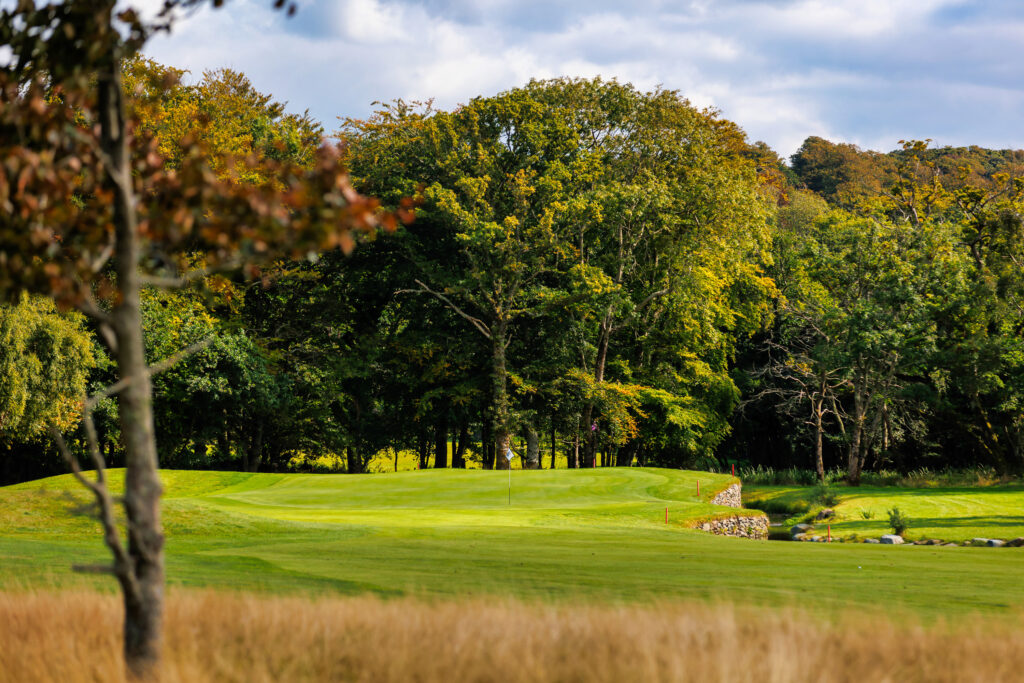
(783, 69)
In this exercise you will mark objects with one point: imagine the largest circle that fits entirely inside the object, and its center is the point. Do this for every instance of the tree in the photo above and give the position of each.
(498, 178)
(90, 205)
(45, 359)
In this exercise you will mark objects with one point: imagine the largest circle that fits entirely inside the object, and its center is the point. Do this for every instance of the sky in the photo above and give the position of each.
(870, 72)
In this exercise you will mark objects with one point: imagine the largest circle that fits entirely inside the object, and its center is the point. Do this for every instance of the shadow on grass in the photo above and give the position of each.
(939, 522)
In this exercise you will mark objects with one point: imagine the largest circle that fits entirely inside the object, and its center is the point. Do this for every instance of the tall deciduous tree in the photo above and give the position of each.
(93, 214)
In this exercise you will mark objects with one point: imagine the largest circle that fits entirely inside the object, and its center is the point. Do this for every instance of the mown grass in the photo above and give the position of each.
(569, 537)
(74, 637)
(946, 513)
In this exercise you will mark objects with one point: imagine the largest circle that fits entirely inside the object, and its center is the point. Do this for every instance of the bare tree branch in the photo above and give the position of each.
(152, 370)
(424, 289)
(111, 536)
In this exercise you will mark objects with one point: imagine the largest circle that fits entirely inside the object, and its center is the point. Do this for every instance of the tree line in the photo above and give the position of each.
(609, 275)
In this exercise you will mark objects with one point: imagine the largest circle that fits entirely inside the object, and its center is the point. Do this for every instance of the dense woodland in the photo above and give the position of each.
(605, 274)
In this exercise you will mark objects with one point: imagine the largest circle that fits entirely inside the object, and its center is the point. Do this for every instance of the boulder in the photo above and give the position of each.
(933, 541)
(891, 539)
(979, 541)
(825, 514)
(950, 545)
(801, 529)
(1015, 543)
(995, 543)
(871, 540)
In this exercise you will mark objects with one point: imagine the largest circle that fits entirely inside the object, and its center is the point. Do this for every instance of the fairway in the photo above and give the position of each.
(568, 535)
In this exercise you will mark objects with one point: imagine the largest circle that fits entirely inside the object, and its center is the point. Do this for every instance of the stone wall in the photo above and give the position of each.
(730, 497)
(739, 526)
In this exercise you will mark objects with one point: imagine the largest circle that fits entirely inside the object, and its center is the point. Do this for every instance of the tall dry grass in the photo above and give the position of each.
(74, 636)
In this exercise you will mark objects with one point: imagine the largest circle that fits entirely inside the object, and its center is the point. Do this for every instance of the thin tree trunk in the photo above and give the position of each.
(553, 434)
(487, 443)
(144, 589)
(459, 454)
(441, 443)
(574, 462)
(500, 397)
(819, 462)
(853, 458)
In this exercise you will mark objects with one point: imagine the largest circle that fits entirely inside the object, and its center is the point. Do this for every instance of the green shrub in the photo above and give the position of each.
(867, 514)
(824, 495)
(898, 522)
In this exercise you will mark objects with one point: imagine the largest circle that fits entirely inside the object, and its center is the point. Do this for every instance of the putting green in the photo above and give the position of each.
(569, 535)
(948, 513)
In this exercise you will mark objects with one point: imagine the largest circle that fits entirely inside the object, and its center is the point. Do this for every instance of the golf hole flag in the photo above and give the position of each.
(509, 455)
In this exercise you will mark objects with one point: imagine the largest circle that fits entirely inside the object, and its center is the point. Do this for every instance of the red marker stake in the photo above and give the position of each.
(666, 515)
(734, 469)
(698, 488)
(829, 533)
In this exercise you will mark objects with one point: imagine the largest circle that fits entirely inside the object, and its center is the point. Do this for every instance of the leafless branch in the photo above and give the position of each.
(111, 535)
(152, 370)
(479, 324)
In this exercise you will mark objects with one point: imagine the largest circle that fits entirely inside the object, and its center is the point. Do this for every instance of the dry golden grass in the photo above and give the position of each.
(74, 636)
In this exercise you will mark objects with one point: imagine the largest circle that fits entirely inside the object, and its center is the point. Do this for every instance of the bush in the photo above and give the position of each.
(898, 522)
(824, 495)
(867, 514)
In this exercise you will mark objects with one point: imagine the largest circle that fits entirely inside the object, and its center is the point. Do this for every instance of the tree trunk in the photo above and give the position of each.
(819, 462)
(603, 341)
(487, 443)
(574, 461)
(422, 448)
(532, 461)
(353, 460)
(500, 397)
(553, 435)
(853, 457)
(624, 455)
(441, 443)
(143, 587)
(459, 453)
(254, 453)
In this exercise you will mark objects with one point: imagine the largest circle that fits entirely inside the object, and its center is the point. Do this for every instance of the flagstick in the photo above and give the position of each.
(509, 482)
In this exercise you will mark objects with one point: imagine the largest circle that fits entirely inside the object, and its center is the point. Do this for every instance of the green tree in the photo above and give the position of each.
(91, 212)
(45, 359)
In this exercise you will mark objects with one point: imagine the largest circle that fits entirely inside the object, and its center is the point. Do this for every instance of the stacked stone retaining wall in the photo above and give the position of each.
(741, 526)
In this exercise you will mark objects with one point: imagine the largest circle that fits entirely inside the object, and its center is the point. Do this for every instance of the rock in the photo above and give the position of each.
(1015, 543)
(801, 529)
(921, 541)
(730, 497)
(891, 539)
(825, 514)
(995, 543)
(950, 545)
(933, 541)
(979, 541)
(871, 540)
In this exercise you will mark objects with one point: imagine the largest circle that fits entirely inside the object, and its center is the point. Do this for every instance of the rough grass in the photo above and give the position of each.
(949, 513)
(75, 637)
